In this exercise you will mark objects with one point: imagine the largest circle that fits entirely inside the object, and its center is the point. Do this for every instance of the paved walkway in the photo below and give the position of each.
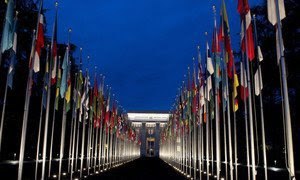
(141, 169)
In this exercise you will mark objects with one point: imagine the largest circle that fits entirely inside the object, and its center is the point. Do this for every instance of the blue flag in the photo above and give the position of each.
(63, 86)
(8, 28)
(12, 58)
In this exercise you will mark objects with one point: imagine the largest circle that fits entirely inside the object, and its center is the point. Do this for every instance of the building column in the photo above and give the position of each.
(157, 140)
(143, 140)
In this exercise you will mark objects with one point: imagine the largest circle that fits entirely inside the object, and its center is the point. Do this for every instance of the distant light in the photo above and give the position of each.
(97, 172)
(64, 173)
(54, 176)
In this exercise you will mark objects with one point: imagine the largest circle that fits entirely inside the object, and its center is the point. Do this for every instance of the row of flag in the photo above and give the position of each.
(213, 93)
(88, 104)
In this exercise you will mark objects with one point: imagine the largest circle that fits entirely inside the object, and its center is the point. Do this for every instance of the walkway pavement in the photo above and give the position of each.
(141, 169)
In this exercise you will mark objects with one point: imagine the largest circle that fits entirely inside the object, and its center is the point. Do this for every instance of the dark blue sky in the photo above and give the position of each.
(143, 47)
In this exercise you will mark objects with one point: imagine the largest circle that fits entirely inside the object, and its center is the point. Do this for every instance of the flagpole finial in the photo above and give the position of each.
(56, 3)
(205, 33)
(198, 47)
(70, 30)
(81, 49)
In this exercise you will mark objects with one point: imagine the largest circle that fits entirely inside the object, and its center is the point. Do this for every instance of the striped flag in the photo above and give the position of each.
(244, 10)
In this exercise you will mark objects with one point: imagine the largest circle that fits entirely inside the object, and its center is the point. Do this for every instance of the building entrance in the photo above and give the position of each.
(150, 147)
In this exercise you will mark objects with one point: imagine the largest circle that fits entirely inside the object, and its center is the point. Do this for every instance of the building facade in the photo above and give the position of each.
(149, 125)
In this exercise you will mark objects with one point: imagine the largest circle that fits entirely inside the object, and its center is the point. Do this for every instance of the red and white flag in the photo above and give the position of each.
(39, 44)
(244, 10)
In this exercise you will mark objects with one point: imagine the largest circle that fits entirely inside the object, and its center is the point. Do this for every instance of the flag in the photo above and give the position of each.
(58, 85)
(39, 43)
(85, 96)
(278, 47)
(45, 88)
(272, 10)
(210, 67)
(64, 86)
(8, 28)
(260, 56)
(68, 92)
(234, 93)
(226, 38)
(258, 82)
(13, 58)
(107, 114)
(243, 88)
(244, 10)
(54, 51)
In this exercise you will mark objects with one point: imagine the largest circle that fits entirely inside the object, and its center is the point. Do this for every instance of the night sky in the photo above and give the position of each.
(143, 47)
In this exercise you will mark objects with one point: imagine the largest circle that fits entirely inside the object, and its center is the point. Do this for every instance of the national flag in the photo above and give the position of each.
(229, 59)
(39, 43)
(244, 10)
(85, 96)
(278, 47)
(244, 86)
(258, 83)
(64, 86)
(209, 64)
(54, 51)
(45, 88)
(272, 10)
(13, 58)
(107, 114)
(68, 92)
(234, 93)
(260, 56)
(8, 28)
(58, 84)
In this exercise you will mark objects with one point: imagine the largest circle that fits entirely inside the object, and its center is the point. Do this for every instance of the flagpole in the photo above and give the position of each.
(64, 117)
(229, 126)
(6, 86)
(261, 105)
(41, 119)
(101, 125)
(79, 114)
(235, 142)
(27, 98)
(53, 123)
(86, 88)
(207, 92)
(26, 110)
(82, 141)
(225, 133)
(73, 128)
(71, 136)
(246, 121)
(250, 103)
(218, 147)
(288, 126)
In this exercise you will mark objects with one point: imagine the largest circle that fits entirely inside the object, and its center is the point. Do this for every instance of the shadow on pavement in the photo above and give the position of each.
(143, 169)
